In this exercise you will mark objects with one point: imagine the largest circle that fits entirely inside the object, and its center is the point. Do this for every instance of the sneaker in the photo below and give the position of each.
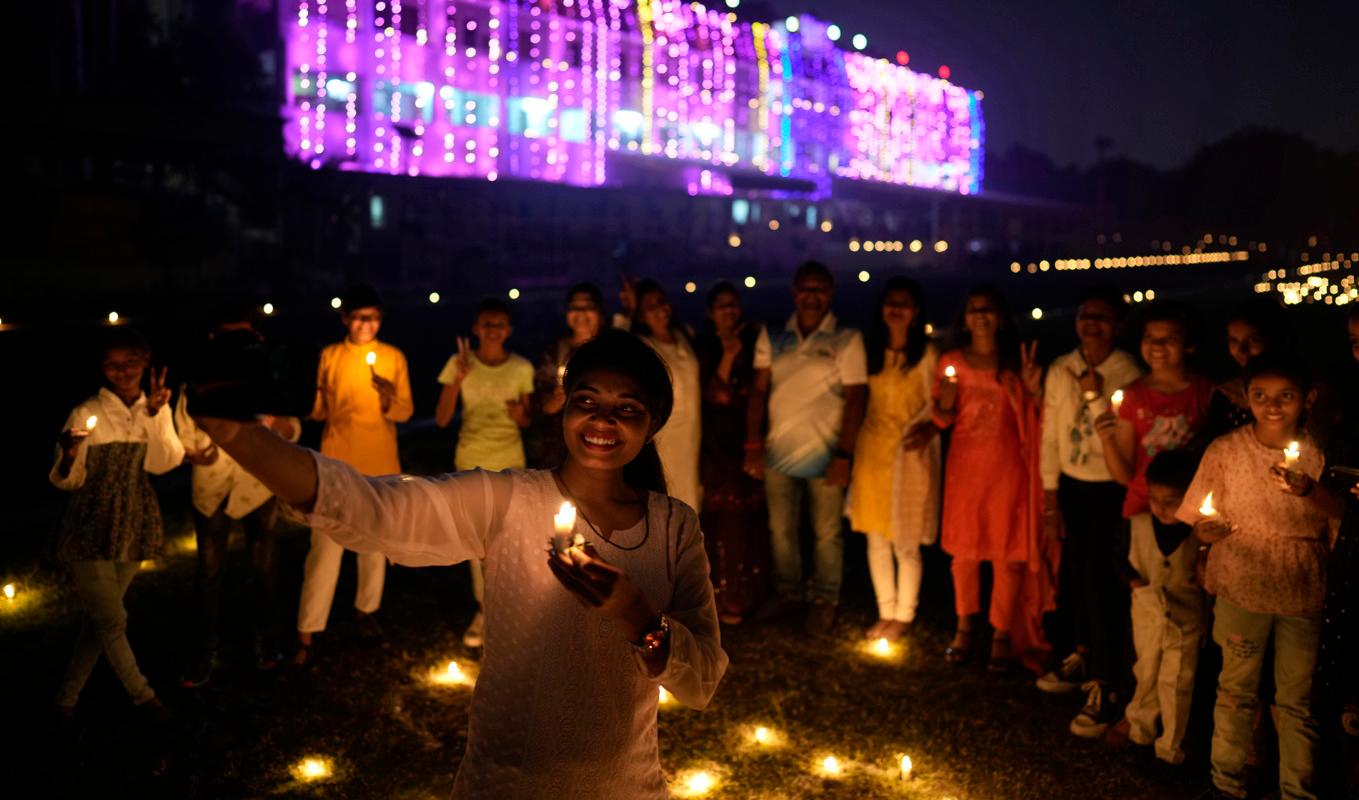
(1066, 678)
(475, 635)
(820, 618)
(368, 627)
(1097, 714)
(200, 674)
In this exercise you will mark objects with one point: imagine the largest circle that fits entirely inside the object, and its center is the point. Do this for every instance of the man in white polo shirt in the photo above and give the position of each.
(818, 393)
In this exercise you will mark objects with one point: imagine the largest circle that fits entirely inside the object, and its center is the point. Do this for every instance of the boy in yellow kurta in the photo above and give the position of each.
(362, 391)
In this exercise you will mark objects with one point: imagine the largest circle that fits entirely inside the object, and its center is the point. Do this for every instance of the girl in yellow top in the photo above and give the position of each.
(362, 391)
(894, 490)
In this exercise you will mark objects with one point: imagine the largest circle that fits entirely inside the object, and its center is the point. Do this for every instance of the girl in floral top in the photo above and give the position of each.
(1270, 530)
(109, 444)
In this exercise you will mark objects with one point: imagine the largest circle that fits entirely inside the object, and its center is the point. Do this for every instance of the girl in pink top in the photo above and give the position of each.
(1163, 410)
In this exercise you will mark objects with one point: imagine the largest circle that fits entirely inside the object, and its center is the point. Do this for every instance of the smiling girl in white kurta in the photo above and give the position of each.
(565, 704)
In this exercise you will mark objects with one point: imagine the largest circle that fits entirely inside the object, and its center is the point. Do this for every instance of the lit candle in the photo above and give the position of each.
(1207, 509)
(830, 765)
(563, 525)
(1291, 455)
(951, 373)
(761, 733)
(561, 374)
(1116, 401)
(90, 422)
(882, 647)
(454, 672)
(371, 358)
(662, 696)
(699, 783)
(905, 768)
(9, 591)
(312, 769)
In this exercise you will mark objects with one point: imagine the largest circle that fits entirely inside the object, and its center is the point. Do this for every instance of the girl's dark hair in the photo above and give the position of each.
(1268, 318)
(625, 354)
(1175, 313)
(878, 336)
(1007, 332)
(720, 288)
(586, 288)
(124, 339)
(1108, 294)
(1279, 365)
(645, 287)
(491, 305)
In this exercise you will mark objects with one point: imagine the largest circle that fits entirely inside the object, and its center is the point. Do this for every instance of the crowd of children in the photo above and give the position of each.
(1136, 498)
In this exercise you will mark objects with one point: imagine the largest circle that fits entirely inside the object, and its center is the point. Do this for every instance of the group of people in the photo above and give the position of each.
(1143, 503)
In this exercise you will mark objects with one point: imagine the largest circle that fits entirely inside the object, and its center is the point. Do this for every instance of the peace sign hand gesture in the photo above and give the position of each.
(463, 363)
(157, 395)
(1030, 371)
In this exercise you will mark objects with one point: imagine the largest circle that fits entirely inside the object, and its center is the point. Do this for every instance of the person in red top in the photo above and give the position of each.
(1163, 410)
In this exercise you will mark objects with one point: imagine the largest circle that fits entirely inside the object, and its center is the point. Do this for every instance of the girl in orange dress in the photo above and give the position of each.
(987, 390)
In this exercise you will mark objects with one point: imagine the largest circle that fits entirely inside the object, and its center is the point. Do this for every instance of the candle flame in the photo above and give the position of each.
(1207, 509)
(761, 733)
(905, 768)
(699, 783)
(455, 672)
(950, 371)
(312, 769)
(9, 591)
(1116, 399)
(371, 358)
(663, 697)
(90, 422)
(1292, 452)
(830, 765)
(565, 518)
(882, 647)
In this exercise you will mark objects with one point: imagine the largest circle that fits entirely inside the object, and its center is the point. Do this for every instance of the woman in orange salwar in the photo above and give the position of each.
(987, 390)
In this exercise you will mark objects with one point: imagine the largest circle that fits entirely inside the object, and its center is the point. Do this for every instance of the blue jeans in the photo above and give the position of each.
(784, 493)
(1243, 636)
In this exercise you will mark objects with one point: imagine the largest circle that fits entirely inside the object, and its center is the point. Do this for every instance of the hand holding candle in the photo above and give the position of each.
(1211, 528)
(1207, 509)
(1116, 401)
(371, 359)
(948, 390)
(563, 527)
(1291, 455)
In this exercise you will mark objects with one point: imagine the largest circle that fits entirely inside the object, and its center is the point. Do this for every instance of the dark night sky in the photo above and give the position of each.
(1159, 77)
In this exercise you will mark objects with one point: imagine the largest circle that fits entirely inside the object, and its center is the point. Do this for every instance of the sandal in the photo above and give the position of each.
(1002, 658)
(961, 647)
(301, 656)
(875, 631)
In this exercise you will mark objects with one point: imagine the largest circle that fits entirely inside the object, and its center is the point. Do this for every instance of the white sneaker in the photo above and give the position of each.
(1097, 714)
(475, 635)
(1066, 678)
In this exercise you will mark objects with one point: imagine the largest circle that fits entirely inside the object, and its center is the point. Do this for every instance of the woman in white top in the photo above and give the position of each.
(576, 645)
(678, 442)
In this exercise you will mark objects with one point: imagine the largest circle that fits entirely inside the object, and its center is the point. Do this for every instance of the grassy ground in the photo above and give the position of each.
(389, 732)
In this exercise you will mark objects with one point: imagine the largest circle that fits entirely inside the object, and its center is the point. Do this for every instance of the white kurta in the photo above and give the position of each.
(563, 707)
(678, 442)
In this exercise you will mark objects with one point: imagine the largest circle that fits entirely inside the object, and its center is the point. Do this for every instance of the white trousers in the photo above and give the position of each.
(320, 574)
(1167, 655)
(896, 575)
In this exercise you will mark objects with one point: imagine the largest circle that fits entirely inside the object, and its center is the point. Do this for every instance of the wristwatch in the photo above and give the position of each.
(653, 639)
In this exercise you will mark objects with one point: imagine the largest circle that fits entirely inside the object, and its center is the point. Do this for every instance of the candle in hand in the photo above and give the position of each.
(371, 358)
(1116, 401)
(90, 422)
(563, 524)
(1291, 455)
(950, 373)
(1207, 509)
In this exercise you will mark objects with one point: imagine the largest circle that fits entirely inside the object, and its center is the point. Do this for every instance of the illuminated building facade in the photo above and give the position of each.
(614, 93)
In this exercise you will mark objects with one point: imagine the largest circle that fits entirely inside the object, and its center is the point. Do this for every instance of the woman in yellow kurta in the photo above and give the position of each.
(894, 491)
(362, 391)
